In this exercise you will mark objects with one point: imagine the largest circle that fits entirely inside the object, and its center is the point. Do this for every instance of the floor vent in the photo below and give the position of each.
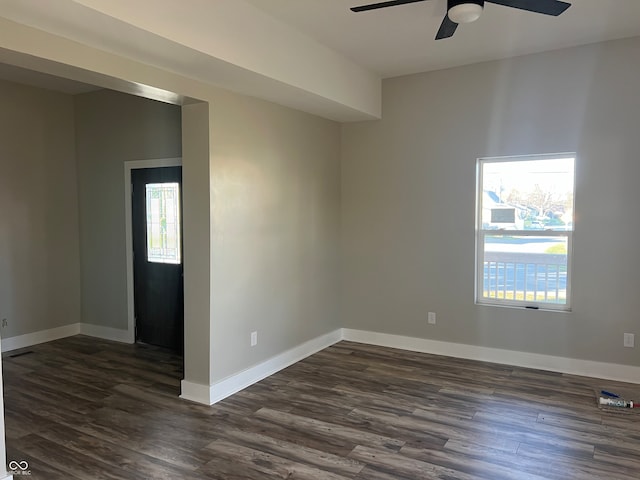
(20, 354)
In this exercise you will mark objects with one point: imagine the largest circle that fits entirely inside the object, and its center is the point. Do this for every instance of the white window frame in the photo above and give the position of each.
(482, 233)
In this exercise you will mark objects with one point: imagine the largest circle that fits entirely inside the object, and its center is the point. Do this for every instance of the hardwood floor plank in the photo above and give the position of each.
(292, 451)
(77, 465)
(408, 428)
(475, 466)
(483, 447)
(374, 473)
(161, 400)
(82, 408)
(563, 464)
(268, 465)
(14, 368)
(27, 413)
(306, 424)
(38, 468)
(385, 401)
(491, 452)
(311, 439)
(404, 467)
(133, 462)
(618, 458)
(512, 429)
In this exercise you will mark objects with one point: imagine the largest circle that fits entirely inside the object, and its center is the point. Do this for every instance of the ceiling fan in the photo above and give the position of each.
(466, 11)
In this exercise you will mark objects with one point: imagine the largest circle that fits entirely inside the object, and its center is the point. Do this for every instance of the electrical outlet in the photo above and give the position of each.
(431, 318)
(254, 339)
(629, 340)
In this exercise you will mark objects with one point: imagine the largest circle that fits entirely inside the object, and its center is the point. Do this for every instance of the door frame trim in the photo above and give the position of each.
(128, 166)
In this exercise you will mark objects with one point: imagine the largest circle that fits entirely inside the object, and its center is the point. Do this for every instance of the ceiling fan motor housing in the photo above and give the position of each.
(464, 11)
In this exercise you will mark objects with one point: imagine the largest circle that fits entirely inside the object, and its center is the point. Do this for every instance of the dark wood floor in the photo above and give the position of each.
(81, 408)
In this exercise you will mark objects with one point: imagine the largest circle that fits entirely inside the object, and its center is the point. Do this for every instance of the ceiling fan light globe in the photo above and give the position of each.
(465, 12)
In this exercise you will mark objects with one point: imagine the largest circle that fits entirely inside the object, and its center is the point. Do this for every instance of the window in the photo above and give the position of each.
(163, 222)
(525, 231)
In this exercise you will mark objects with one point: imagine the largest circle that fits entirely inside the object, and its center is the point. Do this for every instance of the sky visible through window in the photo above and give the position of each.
(539, 191)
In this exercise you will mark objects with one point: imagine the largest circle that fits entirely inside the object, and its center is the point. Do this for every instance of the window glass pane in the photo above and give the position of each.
(525, 268)
(163, 222)
(528, 195)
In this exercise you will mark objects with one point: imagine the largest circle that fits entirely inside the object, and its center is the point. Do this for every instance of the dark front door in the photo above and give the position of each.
(157, 256)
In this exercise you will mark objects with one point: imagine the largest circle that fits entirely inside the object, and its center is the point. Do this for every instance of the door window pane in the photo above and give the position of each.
(163, 222)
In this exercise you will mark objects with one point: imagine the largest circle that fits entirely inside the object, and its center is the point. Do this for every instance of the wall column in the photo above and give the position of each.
(197, 254)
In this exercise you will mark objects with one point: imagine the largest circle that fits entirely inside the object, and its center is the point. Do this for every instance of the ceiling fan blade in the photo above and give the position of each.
(390, 3)
(546, 7)
(447, 28)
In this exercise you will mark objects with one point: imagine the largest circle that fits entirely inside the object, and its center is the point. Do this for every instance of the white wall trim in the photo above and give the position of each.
(210, 394)
(106, 333)
(233, 384)
(128, 166)
(29, 339)
(195, 392)
(586, 368)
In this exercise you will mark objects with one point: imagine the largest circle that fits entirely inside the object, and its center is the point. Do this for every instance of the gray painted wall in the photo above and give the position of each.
(275, 210)
(408, 199)
(197, 243)
(39, 259)
(112, 128)
(275, 207)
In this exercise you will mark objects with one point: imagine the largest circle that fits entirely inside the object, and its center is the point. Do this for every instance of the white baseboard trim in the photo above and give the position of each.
(195, 392)
(585, 368)
(106, 333)
(210, 394)
(233, 384)
(29, 339)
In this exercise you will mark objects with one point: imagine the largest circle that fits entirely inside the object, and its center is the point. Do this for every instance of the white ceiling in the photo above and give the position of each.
(400, 40)
(225, 43)
(311, 55)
